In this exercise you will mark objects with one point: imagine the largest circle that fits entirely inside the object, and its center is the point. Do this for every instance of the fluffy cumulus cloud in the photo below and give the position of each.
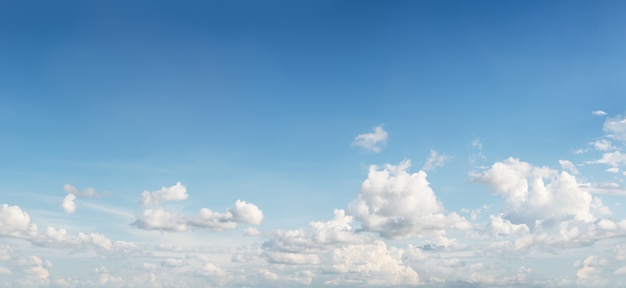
(372, 141)
(157, 218)
(15, 222)
(537, 195)
(177, 192)
(399, 204)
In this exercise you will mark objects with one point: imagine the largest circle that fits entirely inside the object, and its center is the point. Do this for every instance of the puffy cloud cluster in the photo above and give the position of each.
(157, 218)
(537, 195)
(399, 204)
(372, 141)
(15, 222)
(340, 254)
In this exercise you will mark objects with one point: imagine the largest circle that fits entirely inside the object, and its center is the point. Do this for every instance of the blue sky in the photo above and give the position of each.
(510, 113)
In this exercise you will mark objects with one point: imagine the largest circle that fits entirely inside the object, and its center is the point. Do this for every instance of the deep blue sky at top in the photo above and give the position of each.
(288, 84)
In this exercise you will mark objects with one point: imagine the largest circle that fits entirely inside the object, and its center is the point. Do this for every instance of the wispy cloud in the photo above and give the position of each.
(435, 160)
(372, 141)
(598, 113)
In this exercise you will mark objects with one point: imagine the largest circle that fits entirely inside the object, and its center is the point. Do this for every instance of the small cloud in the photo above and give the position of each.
(435, 160)
(569, 166)
(477, 145)
(615, 128)
(613, 170)
(69, 204)
(603, 145)
(598, 113)
(372, 141)
(173, 193)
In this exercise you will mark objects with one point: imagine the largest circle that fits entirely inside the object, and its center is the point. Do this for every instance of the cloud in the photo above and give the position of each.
(603, 145)
(615, 128)
(372, 141)
(598, 113)
(247, 213)
(613, 159)
(338, 254)
(89, 192)
(569, 166)
(435, 160)
(160, 219)
(398, 204)
(371, 264)
(535, 195)
(607, 188)
(15, 222)
(69, 204)
(477, 145)
(173, 193)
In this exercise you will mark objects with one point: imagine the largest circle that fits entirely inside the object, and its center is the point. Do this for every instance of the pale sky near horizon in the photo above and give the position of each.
(312, 143)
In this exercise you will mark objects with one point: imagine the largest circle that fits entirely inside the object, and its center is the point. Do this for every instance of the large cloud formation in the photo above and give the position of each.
(399, 204)
(537, 195)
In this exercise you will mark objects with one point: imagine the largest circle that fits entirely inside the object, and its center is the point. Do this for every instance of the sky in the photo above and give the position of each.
(312, 143)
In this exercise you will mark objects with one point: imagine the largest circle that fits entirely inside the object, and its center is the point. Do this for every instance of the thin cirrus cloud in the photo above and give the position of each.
(373, 141)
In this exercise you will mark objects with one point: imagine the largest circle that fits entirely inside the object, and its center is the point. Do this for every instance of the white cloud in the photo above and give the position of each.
(213, 220)
(371, 264)
(477, 145)
(613, 159)
(398, 204)
(159, 219)
(435, 160)
(537, 194)
(173, 193)
(598, 113)
(89, 192)
(372, 141)
(568, 166)
(613, 170)
(607, 188)
(603, 145)
(338, 255)
(503, 227)
(68, 203)
(615, 128)
(15, 222)
(247, 213)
